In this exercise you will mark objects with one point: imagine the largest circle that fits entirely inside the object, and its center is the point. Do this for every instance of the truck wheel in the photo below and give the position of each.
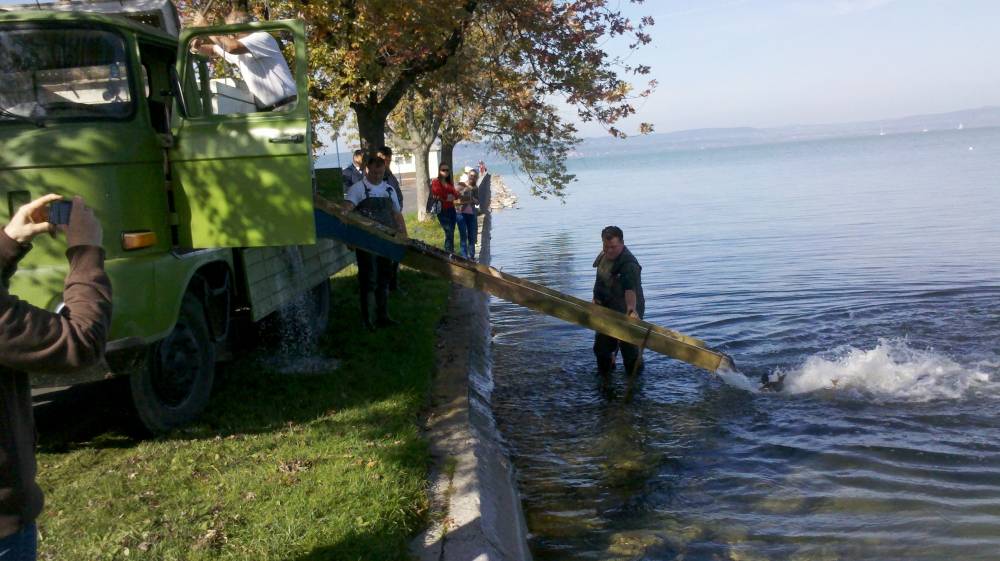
(174, 384)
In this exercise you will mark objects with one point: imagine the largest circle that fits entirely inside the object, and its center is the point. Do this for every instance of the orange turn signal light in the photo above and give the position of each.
(138, 240)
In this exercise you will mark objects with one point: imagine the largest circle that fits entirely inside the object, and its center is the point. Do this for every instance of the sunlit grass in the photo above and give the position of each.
(281, 466)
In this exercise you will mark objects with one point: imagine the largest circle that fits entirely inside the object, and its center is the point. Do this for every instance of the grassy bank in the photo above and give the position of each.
(324, 465)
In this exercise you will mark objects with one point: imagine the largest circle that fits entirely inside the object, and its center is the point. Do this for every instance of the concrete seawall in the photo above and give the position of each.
(475, 506)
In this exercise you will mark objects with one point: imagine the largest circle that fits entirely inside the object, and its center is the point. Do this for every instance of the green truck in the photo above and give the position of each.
(206, 197)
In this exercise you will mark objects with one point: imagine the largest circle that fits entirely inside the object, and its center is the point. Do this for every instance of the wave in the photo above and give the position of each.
(892, 370)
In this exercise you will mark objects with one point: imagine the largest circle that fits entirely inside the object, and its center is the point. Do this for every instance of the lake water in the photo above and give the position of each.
(867, 270)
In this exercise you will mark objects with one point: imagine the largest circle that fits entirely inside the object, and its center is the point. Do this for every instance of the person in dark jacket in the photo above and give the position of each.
(354, 172)
(33, 339)
(619, 287)
(385, 153)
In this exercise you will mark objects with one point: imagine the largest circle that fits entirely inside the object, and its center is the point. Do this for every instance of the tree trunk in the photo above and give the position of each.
(423, 175)
(448, 156)
(371, 127)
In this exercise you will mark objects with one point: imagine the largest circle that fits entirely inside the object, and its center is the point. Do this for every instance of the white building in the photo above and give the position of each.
(404, 167)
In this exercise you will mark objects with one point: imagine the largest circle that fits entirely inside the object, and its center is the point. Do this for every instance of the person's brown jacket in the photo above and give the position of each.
(33, 339)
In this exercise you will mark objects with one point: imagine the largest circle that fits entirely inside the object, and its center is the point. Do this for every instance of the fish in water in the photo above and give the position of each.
(773, 382)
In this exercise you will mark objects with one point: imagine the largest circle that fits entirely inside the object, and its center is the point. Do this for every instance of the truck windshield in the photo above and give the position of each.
(53, 74)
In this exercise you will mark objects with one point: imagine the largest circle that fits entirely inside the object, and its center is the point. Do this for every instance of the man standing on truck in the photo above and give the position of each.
(259, 59)
(619, 287)
(34, 339)
(376, 200)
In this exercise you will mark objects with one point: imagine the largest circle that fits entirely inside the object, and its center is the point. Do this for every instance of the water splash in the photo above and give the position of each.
(891, 370)
(739, 380)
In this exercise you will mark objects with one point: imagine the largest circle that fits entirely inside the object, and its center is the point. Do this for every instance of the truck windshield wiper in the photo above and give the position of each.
(7, 114)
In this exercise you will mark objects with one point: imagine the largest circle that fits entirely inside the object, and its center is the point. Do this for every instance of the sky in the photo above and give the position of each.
(766, 63)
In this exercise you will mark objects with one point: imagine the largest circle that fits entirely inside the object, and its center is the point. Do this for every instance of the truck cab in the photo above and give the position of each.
(204, 193)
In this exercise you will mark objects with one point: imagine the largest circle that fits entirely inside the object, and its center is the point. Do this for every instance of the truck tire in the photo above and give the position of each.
(173, 386)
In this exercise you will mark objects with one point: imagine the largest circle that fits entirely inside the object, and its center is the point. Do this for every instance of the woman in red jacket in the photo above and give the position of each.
(443, 189)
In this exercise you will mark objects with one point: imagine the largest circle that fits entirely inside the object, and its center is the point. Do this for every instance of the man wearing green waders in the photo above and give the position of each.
(618, 287)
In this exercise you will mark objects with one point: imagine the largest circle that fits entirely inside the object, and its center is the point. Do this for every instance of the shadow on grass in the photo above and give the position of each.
(249, 397)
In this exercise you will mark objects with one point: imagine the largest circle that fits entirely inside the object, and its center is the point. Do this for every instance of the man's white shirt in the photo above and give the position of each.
(356, 193)
(263, 68)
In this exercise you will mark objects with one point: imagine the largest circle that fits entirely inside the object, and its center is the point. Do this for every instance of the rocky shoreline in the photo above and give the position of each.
(501, 197)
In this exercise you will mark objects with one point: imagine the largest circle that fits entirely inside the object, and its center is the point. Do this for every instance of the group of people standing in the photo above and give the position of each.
(457, 205)
(371, 189)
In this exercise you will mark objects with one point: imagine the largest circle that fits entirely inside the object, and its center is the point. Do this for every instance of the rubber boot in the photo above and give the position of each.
(382, 309)
(635, 367)
(605, 365)
(366, 318)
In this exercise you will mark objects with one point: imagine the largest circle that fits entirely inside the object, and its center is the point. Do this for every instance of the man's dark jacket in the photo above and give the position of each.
(351, 176)
(32, 339)
(391, 179)
(614, 278)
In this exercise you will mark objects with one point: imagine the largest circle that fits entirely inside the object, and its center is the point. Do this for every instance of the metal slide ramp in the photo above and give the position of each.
(332, 221)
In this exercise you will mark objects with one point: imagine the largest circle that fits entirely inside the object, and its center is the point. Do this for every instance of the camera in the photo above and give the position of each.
(59, 212)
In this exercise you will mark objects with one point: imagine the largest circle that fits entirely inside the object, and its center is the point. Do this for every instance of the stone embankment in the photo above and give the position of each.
(501, 195)
(475, 505)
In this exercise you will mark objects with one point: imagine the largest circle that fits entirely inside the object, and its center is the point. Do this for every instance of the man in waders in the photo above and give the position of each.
(375, 199)
(619, 287)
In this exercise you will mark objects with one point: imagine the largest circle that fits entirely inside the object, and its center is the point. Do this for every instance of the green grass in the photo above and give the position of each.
(428, 231)
(281, 466)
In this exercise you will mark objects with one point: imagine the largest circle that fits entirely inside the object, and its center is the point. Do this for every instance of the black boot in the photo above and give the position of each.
(366, 318)
(605, 365)
(382, 309)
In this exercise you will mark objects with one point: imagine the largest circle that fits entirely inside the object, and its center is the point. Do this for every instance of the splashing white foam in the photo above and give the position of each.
(738, 380)
(891, 370)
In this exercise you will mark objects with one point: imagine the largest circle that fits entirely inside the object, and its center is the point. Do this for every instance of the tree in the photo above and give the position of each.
(365, 55)
(518, 56)
(415, 125)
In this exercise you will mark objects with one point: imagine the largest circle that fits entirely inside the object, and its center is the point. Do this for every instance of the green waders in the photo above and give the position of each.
(609, 291)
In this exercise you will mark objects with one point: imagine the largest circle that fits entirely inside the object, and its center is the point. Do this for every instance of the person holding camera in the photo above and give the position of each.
(33, 339)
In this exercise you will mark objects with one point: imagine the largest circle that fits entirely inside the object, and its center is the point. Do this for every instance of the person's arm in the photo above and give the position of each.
(229, 44)
(401, 222)
(204, 48)
(351, 198)
(346, 179)
(397, 212)
(33, 339)
(597, 281)
(630, 282)
(630, 304)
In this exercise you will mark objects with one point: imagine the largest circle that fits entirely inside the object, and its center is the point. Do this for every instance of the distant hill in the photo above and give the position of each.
(739, 136)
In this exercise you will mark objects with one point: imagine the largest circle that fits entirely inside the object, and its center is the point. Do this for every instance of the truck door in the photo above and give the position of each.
(241, 163)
